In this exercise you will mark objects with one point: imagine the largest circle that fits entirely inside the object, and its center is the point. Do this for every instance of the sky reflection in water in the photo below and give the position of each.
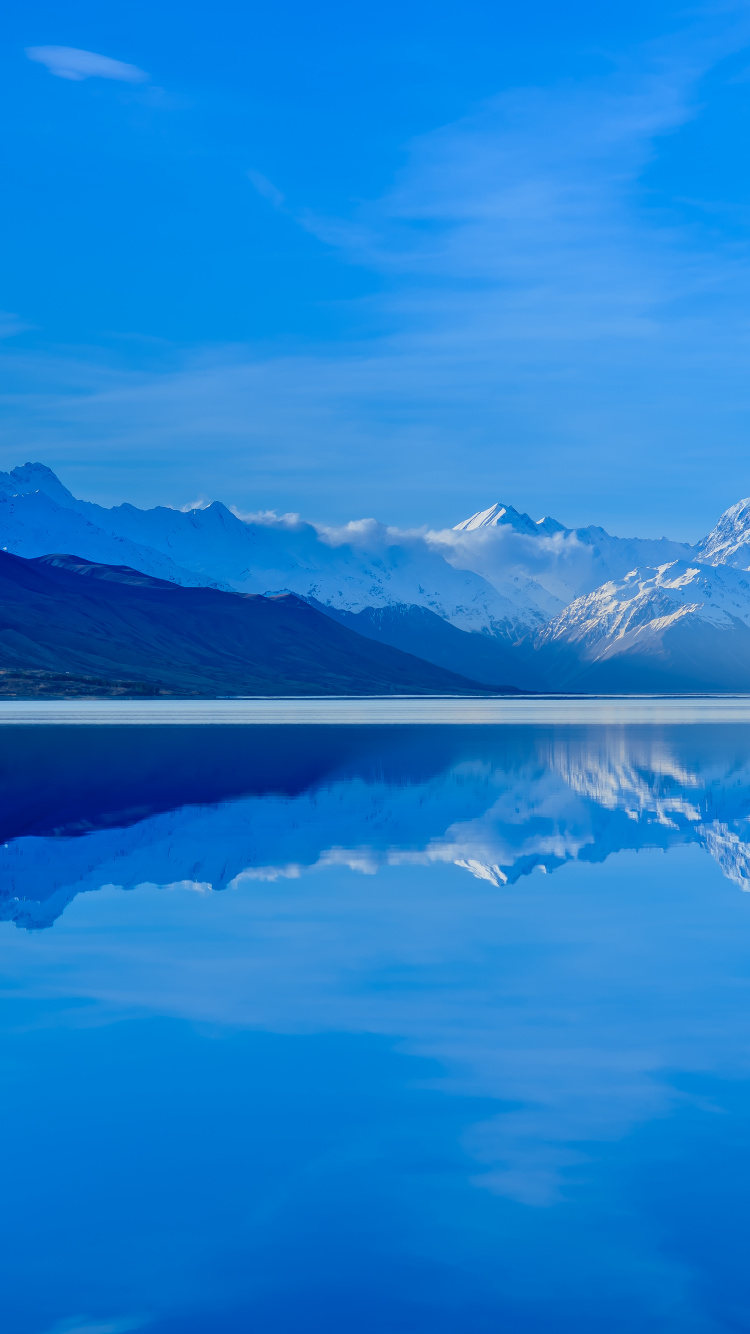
(392, 1077)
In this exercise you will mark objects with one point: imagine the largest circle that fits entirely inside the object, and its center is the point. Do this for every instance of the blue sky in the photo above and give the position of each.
(400, 261)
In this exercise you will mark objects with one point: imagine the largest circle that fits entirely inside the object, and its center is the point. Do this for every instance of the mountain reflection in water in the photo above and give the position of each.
(387, 1079)
(219, 806)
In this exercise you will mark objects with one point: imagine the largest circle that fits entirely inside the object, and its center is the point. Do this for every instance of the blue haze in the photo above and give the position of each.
(402, 261)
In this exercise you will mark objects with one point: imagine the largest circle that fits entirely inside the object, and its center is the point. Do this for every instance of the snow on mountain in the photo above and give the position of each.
(374, 568)
(30, 477)
(521, 523)
(729, 542)
(682, 626)
(361, 565)
(500, 572)
(32, 524)
(404, 568)
(716, 596)
(567, 562)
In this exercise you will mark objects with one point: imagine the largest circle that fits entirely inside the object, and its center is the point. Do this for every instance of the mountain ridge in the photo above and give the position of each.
(60, 614)
(366, 565)
(530, 603)
(684, 626)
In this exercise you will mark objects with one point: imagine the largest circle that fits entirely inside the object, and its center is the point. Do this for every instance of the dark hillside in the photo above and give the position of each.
(420, 631)
(114, 630)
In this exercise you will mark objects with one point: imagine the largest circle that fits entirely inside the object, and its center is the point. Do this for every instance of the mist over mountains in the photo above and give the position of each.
(501, 599)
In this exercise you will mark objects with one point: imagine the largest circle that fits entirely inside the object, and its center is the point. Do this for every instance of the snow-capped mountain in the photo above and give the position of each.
(362, 565)
(506, 514)
(573, 608)
(35, 525)
(568, 562)
(682, 626)
(729, 542)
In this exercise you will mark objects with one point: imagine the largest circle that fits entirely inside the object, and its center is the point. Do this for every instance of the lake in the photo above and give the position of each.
(390, 1017)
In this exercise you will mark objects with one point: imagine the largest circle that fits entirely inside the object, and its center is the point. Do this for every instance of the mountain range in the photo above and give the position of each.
(72, 627)
(501, 599)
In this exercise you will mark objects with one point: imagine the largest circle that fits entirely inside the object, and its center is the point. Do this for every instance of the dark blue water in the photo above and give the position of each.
(405, 1030)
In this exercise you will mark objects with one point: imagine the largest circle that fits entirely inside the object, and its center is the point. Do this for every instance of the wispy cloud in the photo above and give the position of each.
(266, 188)
(81, 1324)
(67, 62)
(10, 324)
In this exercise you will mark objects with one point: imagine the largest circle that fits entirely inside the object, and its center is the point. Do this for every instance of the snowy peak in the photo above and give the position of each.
(652, 599)
(30, 477)
(370, 566)
(680, 627)
(579, 593)
(32, 524)
(567, 562)
(550, 526)
(506, 514)
(729, 542)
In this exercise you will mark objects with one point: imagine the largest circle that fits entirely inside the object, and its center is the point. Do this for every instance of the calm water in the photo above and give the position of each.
(375, 1029)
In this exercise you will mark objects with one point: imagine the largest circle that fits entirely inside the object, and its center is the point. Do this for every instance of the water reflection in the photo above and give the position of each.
(388, 1078)
(218, 807)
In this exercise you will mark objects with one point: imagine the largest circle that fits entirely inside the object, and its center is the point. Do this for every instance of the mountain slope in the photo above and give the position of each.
(419, 631)
(681, 627)
(31, 477)
(60, 614)
(32, 524)
(362, 565)
(506, 514)
(729, 542)
(568, 562)
(501, 598)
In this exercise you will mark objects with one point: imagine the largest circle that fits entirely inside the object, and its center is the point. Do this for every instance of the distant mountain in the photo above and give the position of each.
(363, 565)
(419, 631)
(729, 542)
(59, 614)
(568, 562)
(501, 598)
(31, 477)
(34, 525)
(682, 627)
(506, 514)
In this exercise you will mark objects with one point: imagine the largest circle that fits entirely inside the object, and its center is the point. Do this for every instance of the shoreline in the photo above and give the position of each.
(554, 710)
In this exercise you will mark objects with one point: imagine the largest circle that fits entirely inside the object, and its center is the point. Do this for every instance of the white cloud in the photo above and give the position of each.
(10, 324)
(78, 1324)
(266, 873)
(67, 62)
(266, 188)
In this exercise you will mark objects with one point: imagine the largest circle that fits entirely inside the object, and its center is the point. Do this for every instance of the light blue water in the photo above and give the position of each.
(374, 1029)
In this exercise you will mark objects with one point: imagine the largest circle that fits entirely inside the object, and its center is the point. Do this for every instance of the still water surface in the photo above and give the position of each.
(388, 1029)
